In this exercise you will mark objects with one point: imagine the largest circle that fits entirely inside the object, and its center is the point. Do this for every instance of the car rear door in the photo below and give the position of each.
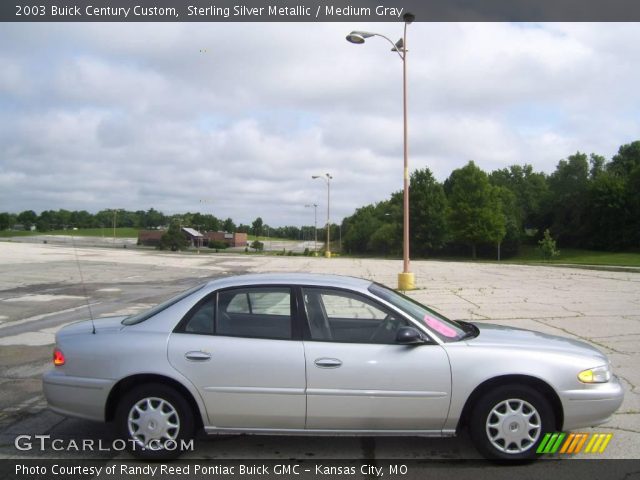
(239, 348)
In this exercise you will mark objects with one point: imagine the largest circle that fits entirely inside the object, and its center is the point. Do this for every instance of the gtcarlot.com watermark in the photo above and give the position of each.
(46, 443)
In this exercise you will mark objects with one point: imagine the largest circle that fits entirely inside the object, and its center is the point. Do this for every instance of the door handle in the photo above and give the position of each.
(198, 356)
(328, 363)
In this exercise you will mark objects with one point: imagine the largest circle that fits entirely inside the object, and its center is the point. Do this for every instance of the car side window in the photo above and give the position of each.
(341, 316)
(201, 319)
(257, 312)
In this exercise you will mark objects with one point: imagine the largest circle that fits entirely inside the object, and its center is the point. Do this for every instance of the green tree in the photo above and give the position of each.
(7, 220)
(358, 229)
(257, 245)
(427, 213)
(257, 226)
(511, 212)
(569, 185)
(48, 220)
(597, 163)
(547, 246)
(229, 226)
(607, 215)
(625, 165)
(475, 213)
(153, 219)
(626, 160)
(383, 240)
(173, 239)
(530, 188)
(82, 219)
(28, 218)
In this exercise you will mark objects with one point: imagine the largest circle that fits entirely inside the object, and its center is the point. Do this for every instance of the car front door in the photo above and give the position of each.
(359, 378)
(238, 348)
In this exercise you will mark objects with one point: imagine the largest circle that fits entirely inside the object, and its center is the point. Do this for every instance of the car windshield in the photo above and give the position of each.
(142, 316)
(445, 329)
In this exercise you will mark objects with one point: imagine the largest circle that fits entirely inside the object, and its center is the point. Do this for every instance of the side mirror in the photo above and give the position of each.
(409, 336)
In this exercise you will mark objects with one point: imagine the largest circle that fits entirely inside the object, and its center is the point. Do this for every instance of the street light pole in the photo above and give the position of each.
(408, 283)
(327, 178)
(315, 227)
(406, 279)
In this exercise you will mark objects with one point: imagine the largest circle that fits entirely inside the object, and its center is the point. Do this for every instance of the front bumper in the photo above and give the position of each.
(76, 396)
(592, 405)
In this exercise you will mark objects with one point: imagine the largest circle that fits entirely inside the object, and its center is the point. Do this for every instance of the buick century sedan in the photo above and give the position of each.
(301, 354)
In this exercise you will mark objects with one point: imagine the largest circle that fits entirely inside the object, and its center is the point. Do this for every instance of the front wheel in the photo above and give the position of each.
(155, 421)
(509, 422)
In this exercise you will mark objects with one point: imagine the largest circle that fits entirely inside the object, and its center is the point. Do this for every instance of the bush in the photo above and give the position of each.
(547, 246)
(257, 246)
(173, 239)
(217, 244)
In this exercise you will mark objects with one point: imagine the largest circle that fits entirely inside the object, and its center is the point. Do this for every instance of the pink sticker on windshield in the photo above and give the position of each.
(440, 327)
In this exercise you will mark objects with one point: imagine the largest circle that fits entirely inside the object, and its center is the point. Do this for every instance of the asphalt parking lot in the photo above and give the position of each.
(41, 290)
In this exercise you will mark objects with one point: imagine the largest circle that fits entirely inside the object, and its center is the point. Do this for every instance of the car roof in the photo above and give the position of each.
(314, 279)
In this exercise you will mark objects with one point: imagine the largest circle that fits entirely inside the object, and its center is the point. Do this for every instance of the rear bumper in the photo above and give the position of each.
(76, 396)
(592, 405)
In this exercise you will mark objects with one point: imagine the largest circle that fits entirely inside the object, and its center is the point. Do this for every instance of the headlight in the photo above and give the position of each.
(600, 374)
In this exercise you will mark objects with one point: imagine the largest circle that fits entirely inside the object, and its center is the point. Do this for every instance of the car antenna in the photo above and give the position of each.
(84, 287)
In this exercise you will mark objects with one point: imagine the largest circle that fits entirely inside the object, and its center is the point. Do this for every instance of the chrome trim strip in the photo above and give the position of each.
(77, 382)
(257, 390)
(375, 393)
(323, 432)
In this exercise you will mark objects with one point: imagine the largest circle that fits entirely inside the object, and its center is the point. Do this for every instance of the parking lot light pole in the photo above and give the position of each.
(406, 279)
(327, 178)
(315, 227)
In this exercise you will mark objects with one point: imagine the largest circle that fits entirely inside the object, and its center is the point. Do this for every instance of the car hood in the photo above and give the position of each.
(500, 336)
(102, 325)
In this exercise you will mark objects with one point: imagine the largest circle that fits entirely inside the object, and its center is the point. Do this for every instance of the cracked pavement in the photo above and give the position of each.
(40, 290)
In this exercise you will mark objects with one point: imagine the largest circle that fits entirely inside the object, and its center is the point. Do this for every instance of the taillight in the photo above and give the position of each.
(58, 357)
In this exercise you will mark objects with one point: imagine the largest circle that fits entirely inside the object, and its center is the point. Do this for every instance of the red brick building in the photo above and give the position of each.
(231, 239)
(152, 238)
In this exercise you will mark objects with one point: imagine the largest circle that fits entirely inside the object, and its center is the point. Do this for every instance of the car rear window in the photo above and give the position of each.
(142, 316)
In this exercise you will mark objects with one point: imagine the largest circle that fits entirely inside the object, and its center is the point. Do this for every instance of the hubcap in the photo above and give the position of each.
(154, 420)
(513, 426)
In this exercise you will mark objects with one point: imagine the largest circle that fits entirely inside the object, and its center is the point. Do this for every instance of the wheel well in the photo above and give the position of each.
(126, 384)
(539, 385)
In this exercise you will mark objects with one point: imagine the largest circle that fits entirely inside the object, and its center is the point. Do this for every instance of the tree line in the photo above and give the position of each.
(586, 202)
(50, 220)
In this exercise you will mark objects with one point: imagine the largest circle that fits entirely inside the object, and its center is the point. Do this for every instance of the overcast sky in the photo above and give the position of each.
(233, 119)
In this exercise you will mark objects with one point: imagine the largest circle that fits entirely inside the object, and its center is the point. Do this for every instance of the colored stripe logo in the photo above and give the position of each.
(573, 443)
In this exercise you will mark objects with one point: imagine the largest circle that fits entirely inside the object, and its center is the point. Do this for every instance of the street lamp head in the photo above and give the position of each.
(358, 37)
(399, 46)
(315, 176)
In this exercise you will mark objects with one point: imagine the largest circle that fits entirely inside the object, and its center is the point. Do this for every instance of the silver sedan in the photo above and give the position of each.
(323, 355)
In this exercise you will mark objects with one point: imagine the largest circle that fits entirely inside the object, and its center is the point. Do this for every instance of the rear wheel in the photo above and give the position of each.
(155, 420)
(509, 422)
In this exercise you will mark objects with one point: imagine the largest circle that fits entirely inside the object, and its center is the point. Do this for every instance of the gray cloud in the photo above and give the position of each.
(165, 115)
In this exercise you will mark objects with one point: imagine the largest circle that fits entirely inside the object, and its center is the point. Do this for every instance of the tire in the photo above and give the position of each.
(154, 419)
(516, 435)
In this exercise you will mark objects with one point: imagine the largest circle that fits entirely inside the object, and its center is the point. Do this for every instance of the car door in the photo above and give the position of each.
(237, 347)
(358, 378)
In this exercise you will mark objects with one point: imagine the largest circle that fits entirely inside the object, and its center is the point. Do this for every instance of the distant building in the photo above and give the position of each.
(231, 239)
(195, 238)
(151, 238)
